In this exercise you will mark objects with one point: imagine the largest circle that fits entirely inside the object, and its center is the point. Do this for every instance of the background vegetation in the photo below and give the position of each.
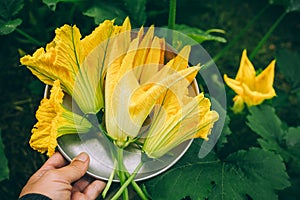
(260, 148)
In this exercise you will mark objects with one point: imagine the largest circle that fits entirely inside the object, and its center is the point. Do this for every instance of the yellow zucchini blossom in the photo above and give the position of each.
(54, 120)
(192, 119)
(139, 80)
(250, 88)
(64, 59)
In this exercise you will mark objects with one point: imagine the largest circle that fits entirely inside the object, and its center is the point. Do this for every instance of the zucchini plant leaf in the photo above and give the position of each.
(242, 175)
(103, 12)
(53, 3)
(9, 26)
(4, 170)
(8, 10)
(263, 121)
(199, 35)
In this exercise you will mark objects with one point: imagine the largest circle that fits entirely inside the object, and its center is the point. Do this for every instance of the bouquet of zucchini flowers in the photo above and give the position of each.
(124, 84)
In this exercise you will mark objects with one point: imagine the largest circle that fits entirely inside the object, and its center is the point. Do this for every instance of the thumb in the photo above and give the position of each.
(76, 169)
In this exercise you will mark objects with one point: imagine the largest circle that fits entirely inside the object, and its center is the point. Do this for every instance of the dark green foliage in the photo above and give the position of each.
(8, 10)
(241, 174)
(4, 170)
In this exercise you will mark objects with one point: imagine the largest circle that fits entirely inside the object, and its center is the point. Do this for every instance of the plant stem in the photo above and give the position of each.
(172, 14)
(240, 34)
(109, 182)
(121, 172)
(30, 38)
(267, 35)
(137, 188)
(127, 182)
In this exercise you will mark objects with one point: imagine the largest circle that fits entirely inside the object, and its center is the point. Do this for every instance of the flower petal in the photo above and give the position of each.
(246, 72)
(264, 81)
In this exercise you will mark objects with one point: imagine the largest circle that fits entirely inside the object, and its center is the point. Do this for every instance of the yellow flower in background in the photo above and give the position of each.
(251, 89)
(193, 119)
(54, 120)
(136, 81)
(64, 57)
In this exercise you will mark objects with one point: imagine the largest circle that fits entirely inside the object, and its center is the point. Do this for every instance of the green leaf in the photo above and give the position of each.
(105, 11)
(4, 170)
(290, 5)
(288, 63)
(263, 121)
(136, 10)
(199, 35)
(9, 26)
(242, 175)
(9, 8)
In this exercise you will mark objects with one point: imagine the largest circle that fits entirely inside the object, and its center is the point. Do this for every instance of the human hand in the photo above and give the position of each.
(57, 180)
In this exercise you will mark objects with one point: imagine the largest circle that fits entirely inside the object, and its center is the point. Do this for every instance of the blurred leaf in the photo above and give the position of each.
(290, 5)
(242, 174)
(263, 121)
(226, 132)
(136, 10)
(9, 26)
(53, 3)
(4, 170)
(288, 63)
(9, 8)
(200, 35)
(293, 141)
(103, 12)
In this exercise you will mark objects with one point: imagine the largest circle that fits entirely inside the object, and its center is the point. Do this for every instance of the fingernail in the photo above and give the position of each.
(82, 157)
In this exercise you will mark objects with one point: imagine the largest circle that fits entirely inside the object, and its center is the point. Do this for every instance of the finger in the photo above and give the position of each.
(82, 183)
(94, 189)
(76, 169)
(79, 196)
(54, 162)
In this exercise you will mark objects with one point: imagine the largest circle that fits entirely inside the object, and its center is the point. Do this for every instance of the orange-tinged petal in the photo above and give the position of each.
(264, 81)
(246, 72)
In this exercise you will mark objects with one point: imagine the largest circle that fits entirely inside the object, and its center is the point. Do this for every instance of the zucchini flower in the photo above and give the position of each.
(54, 120)
(250, 88)
(173, 123)
(136, 81)
(63, 59)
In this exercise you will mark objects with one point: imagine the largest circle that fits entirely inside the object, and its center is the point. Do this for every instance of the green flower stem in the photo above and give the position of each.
(172, 14)
(121, 172)
(267, 35)
(240, 34)
(109, 182)
(137, 188)
(127, 182)
(30, 38)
